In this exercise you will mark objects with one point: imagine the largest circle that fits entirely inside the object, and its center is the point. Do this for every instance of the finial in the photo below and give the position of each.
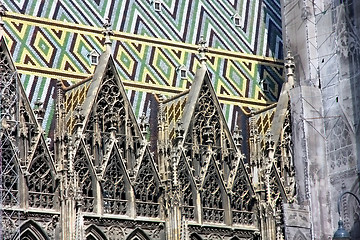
(289, 60)
(107, 31)
(179, 131)
(144, 124)
(202, 49)
(290, 67)
(39, 110)
(238, 137)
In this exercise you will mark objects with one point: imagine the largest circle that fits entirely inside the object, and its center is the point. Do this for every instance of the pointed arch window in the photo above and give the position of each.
(41, 182)
(114, 186)
(138, 234)
(147, 190)
(187, 201)
(94, 233)
(241, 201)
(212, 199)
(85, 181)
(31, 231)
(9, 175)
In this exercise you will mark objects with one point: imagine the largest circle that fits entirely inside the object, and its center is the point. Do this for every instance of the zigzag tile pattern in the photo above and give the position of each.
(52, 39)
(180, 20)
(263, 123)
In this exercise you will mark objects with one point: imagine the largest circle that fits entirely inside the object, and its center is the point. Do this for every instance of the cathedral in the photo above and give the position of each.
(179, 120)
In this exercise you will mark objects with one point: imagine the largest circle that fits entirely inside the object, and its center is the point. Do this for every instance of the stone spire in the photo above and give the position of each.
(107, 33)
(202, 49)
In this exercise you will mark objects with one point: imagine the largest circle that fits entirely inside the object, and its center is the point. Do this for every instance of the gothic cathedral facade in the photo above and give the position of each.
(106, 175)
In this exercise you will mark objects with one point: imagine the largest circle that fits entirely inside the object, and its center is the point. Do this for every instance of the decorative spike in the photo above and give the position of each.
(238, 137)
(39, 111)
(107, 32)
(144, 124)
(202, 49)
(290, 68)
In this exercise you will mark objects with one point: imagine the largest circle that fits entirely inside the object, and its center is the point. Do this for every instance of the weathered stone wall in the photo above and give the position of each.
(323, 36)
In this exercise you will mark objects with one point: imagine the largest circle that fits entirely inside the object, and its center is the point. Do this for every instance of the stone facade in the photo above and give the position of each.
(324, 39)
(105, 179)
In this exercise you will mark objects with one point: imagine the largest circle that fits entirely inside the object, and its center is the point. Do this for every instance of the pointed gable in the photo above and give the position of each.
(9, 173)
(276, 192)
(21, 131)
(85, 177)
(213, 194)
(205, 125)
(41, 179)
(188, 188)
(15, 106)
(242, 198)
(115, 184)
(202, 117)
(147, 188)
(107, 111)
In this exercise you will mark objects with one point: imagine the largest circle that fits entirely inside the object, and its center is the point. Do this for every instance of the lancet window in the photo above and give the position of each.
(241, 201)
(114, 187)
(207, 129)
(31, 231)
(206, 125)
(109, 116)
(146, 190)
(188, 203)
(83, 173)
(212, 202)
(9, 175)
(41, 181)
(110, 105)
(9, 96)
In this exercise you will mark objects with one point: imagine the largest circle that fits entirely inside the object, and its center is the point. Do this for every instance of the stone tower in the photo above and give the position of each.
(323, 37)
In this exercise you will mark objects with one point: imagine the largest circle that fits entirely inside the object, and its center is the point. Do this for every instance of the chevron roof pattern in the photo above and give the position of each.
(52, 39)
(180, 20)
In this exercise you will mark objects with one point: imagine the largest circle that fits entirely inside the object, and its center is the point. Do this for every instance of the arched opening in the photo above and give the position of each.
(299, 236)
(9, 175)
(30, 230)
(94, 233)
(138, 234)
(85, 179)
(41, 180)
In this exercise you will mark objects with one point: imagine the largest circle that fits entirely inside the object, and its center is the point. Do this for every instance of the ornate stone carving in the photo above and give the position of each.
(113, 186)
(146, 190)
(41, 181)
(85, 180)
(115, 233)
(211, 197)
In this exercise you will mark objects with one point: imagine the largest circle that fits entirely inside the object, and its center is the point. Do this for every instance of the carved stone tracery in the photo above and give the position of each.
(41, 181)
(188, 201)
(147, 190)
(113, 184)
(85, 181)
(212, 197)
(9, 175)
(241, 201)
